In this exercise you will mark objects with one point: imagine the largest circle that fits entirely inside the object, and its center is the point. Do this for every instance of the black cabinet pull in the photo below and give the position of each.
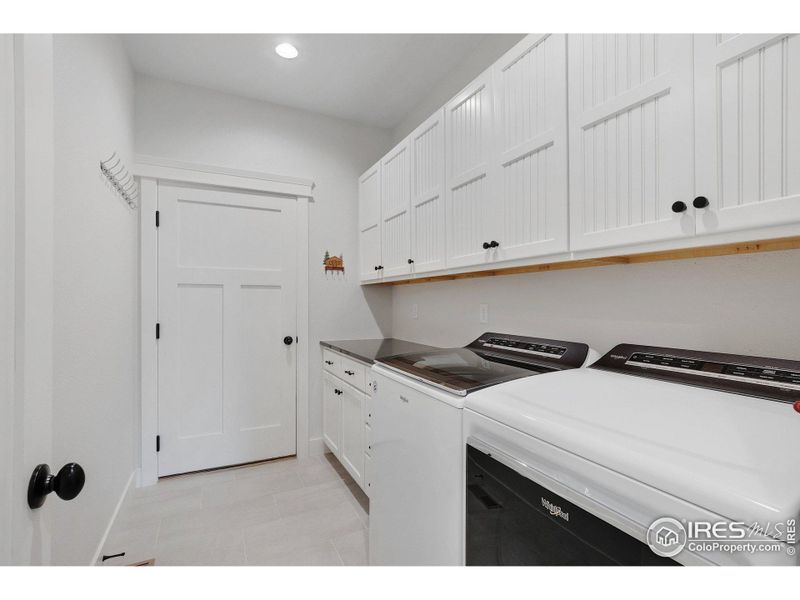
(328, 362)
(486, 245)
(679, 206)
(494, 244)
(411, 261)
(700, 202)
(376, 267)
(338, 392)
(350, 372)
(288, 340)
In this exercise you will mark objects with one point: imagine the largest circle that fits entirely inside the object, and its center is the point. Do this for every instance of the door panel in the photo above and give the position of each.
(630, 106)
(530, 84)
(226, 300)
(471, 209)
(353, 431)
(427, 195)
(331, 415)
(395, 205)
(369, 211)
(748, 130)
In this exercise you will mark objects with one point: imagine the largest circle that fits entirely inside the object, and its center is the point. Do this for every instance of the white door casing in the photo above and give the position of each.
(427, 195)
(471, 207)
(395, 208)
(369, 223)
(227, 298)
(748, 130)
(530, 87)
(631, 139)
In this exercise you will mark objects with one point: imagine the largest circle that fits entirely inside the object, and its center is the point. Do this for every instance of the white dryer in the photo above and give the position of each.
(417, 468)
(650, 456)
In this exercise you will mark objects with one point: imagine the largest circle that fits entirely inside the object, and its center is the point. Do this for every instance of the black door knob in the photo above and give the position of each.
(700, 202)
(679, 206)
(486, 245)
(288, 340)
(494, 244)
(67, 483)
(411, 261)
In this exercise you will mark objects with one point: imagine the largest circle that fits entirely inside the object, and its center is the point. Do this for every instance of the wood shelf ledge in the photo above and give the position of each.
(752, 247)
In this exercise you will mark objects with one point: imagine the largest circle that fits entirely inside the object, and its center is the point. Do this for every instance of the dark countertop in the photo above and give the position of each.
(369, 351)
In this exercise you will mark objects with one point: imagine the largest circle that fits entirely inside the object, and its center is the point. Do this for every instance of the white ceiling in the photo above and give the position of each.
(374, 79)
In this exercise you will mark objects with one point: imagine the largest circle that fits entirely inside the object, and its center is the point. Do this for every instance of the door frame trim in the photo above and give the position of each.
(220, 178)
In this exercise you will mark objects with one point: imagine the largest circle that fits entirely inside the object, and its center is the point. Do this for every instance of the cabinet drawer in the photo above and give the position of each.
(353, 372)
(330, 361)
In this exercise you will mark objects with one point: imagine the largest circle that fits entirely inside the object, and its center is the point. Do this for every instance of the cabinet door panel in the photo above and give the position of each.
(470, 205)
(630, 108)
(369, 219)
(427, 195)
(748, 130)
(530, 84)
(331, 415)
(395, 205)
(353, 433)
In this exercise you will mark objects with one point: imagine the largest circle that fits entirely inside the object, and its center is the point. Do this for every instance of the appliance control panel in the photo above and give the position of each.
(770, 378)
(516, 348)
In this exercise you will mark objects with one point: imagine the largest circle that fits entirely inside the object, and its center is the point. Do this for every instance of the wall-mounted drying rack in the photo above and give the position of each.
(119, 177)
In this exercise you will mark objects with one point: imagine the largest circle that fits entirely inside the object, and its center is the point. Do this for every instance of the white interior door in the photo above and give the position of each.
(748, 130)
(630, 138)
(227, 299)
(530, 83)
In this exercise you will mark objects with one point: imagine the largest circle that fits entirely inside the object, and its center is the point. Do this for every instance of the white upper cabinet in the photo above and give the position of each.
(748, 130)
(630, 121)
(530, 91)
(369, 223)
(470, 208)
(395, 208)
(427, 195)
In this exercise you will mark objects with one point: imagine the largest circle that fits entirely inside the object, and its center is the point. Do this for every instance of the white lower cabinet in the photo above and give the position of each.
(345, 412)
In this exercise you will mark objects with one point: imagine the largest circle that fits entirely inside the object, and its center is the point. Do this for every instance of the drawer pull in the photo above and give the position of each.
(328, 362)
(350, 372)
(338, 392)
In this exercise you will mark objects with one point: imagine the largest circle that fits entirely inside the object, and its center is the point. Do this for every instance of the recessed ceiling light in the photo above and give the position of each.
(286, 50)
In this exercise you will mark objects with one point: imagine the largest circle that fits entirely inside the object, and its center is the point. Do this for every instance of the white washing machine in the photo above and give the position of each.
(417, 468)
(650, 456)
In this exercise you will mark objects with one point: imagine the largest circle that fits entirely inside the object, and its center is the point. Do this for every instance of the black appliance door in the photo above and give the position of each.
(512, 520)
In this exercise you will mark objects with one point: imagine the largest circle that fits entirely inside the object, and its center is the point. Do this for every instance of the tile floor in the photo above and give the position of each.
(282, 512)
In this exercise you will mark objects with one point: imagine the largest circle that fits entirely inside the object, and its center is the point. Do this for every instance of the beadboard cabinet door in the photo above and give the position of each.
(530, 91)
(427, 195)
(748, 130)
(395, 211)
(471, 209)
(369, 223)
(631, 139)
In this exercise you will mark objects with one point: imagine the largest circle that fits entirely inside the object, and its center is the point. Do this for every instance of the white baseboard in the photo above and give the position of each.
(134, 476)
(317, 447)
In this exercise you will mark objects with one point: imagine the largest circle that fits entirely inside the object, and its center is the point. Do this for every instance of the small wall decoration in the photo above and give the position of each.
(333, 264)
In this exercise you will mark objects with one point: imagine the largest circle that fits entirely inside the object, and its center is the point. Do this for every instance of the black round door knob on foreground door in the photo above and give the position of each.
(700, 202)
(679, 206)
(288, 340)
(67, 483)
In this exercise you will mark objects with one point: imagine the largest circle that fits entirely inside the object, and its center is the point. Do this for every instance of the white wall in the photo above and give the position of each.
(740, 304)
(487, 52)
(95, 410)
(198, 125)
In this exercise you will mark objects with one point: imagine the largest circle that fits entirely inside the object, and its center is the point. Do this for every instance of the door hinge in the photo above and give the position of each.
(158, 331)
(158, 218)
(158, 443)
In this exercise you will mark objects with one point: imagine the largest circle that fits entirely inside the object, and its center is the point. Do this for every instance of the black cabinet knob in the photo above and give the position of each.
(350, 372)
(700, 202)
(376, 267)
(288, 340)
(494, 244)
(380, 267)
(486, 245)
(411, 261)
(679, 206)
(67, 483)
